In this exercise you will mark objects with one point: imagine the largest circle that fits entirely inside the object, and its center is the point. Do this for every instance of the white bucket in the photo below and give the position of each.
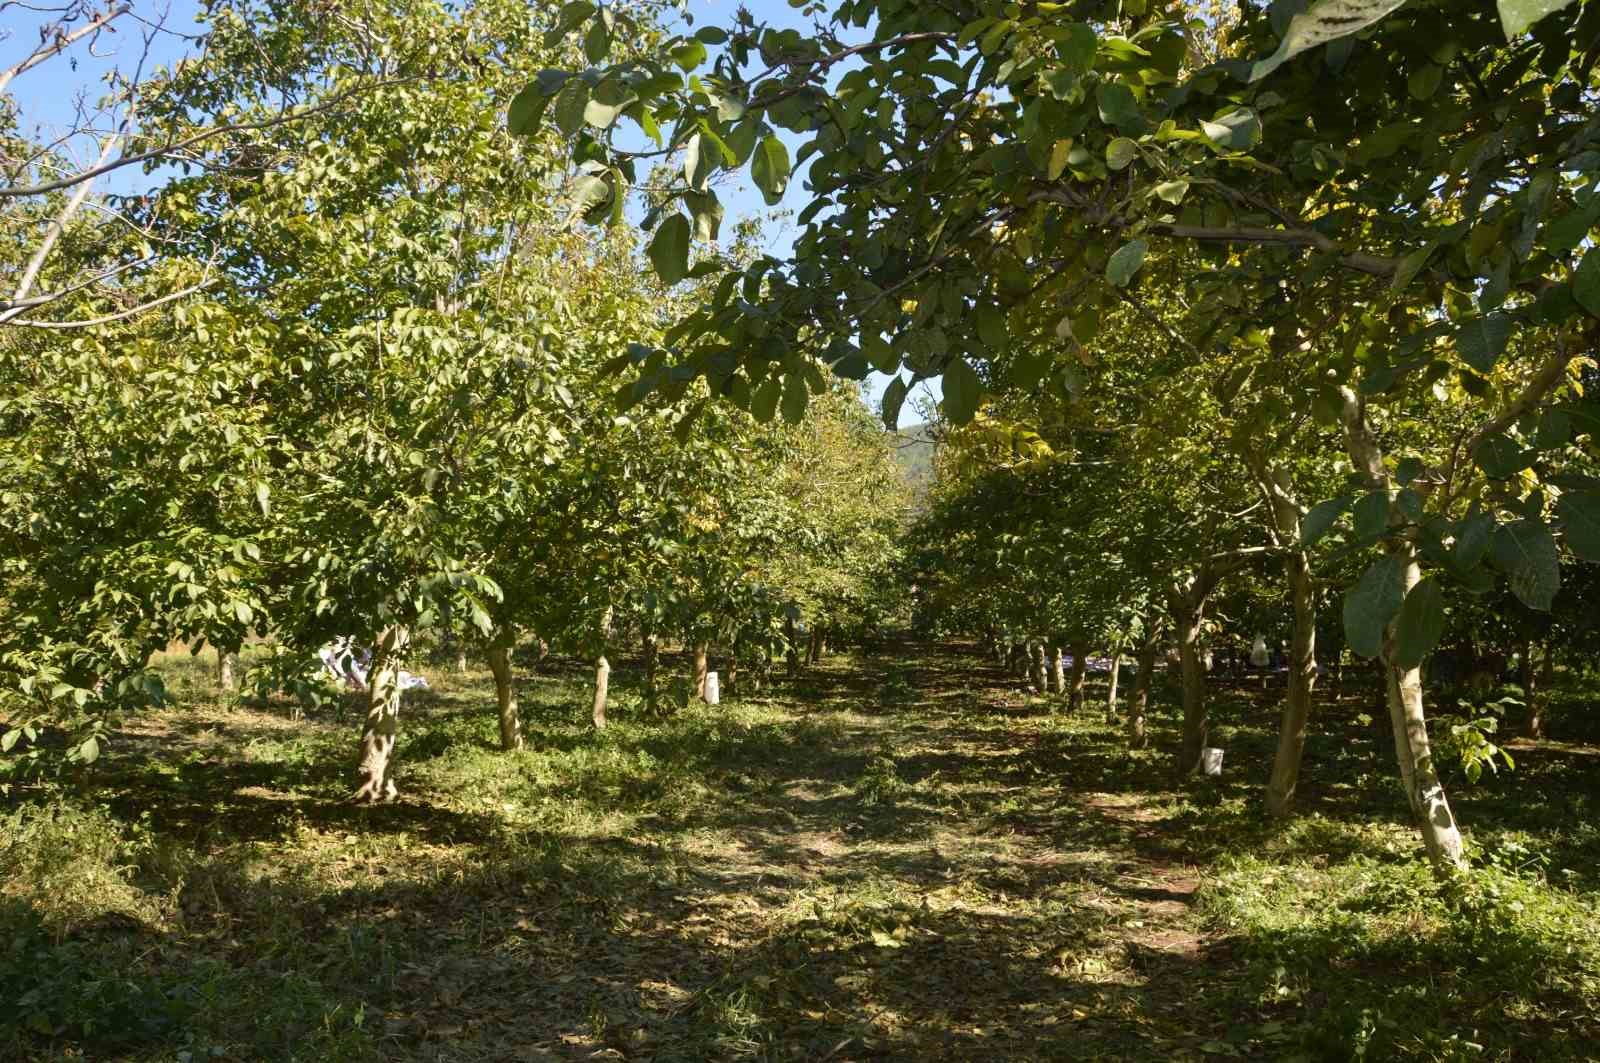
(1211, 761)
(713, 692)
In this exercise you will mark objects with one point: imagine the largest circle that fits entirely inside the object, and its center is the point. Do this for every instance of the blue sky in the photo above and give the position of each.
(47, 97)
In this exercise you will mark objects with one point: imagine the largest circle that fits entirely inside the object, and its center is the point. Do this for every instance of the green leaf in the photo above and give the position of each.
(9, 741)
(688, 55)
(1319, 24)
(1371, 604)
(795, 397)
(1586, 282)
(1320, 517)
(992, 326)
(1172, 191)
(1482, 340)
(1580, 513)
(527, 111)
(669, 249)
(1125, 262)
(1526, 551)
(1424, 81)
(570, 105)
(1238, 130)
(88, 751)
(1059, 151)
(1118, 107)
(1517, 15)
(764, 403)
(1120, 152)
(1372, 515)
(1077, 47)
(962, 390)
(707, 211)
(894, 396)
(770, 168)
(1472, 540)
(1500, 457)
(1419, 624)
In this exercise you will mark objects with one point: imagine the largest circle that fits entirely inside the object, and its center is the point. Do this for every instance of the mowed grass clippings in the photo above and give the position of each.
(890, 857)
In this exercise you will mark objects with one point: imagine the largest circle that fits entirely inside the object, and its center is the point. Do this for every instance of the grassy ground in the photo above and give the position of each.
(896, 857)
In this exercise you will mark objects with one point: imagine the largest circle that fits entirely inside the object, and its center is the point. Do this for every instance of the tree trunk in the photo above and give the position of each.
(1187, 615)
(730, 685)
(505, 696)
(1302, 679)
(1536, 690)
(701, 651)
(1427, 797)
(1141, 687)
(382, 725)
(602, 672)
(652, 695)
(1058, 671)
(226, 679)
(461, 662)
(793, 652)
(814, 652)
(1111, 694)
(1036, 673)
(1080, 665)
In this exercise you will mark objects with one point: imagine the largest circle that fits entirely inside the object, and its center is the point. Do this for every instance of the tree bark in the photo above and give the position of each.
(505, 695)
(730, 685)
(793, 651)
(1058, 671)
(702, 650)
(226, 661)
(382, 726)
(602, 671)
(652, 655)
(1140, 701)
(1536, 690)
(461, 662)
(814, 652)
(1111, 694)
(1080, 665)
(1036, 671)
(1440, 835)
(1285, 777)
(1188, 611)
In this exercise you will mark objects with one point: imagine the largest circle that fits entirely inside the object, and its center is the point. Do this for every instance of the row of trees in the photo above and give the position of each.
(381, 407)
(1260, 273)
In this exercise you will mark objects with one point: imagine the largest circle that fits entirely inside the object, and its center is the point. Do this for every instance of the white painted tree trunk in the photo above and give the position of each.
(1058, 671)
(382, 725)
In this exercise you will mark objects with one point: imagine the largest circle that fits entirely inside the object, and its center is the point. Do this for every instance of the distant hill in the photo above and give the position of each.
(914, 452)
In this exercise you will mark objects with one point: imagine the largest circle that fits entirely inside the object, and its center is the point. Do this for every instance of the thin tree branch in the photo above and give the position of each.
(62, 42)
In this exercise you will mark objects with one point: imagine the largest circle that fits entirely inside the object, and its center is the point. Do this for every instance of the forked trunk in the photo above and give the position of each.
(382, 726)
(1058, 671)
(505, 695)
(1302, 680)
